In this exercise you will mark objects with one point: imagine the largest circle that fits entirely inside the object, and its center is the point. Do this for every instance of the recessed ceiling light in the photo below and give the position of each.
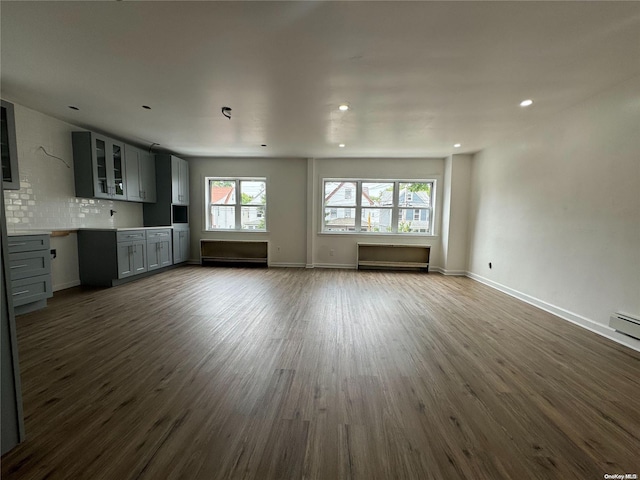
(146, 107)
(344, 107)
(342, 145)
(73, 108)
(457, 145)
(526, 103)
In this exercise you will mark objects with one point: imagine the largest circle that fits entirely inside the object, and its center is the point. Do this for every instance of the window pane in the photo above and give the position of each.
(415, 195)
(253, 218)
(222, 192)
(340, 194)
(375, 220)
(252, 192)
(222, 217)
(339, 219)
(413, 220)
(377, 194)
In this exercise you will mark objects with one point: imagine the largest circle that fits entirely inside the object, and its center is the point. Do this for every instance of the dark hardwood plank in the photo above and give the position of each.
(216, 373)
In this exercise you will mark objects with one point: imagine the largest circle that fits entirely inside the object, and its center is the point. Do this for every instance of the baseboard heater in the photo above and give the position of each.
(234, 252)
(393, 256)
(626, 324)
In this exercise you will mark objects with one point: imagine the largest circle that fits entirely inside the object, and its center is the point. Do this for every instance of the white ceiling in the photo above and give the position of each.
(419, 76)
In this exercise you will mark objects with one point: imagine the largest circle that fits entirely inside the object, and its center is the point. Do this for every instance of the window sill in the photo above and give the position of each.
(253, 232)
(381, 234)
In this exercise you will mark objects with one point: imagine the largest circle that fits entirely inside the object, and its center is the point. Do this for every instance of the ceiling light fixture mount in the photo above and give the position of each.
(526, 103)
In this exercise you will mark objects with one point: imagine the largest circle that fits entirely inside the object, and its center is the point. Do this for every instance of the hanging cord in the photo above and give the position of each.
(53, 156)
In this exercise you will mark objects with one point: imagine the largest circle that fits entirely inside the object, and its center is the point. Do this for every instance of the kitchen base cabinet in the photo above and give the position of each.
(110, 257)
(159, 251)
(30, 267)
(180, 244)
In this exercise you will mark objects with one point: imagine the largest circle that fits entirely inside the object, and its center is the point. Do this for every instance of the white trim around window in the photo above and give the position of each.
(380, 206)
(235, 204)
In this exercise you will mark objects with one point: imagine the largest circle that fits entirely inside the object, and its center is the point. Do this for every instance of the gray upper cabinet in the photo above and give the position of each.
(10, 177)
(99, 166)
(172, 189)
(140, 175)
(179, 181)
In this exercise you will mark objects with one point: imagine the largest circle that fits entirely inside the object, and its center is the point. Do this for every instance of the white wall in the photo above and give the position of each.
(455, 213)
(46, 199)
(339, 250)
(286, 204)
(556, 209)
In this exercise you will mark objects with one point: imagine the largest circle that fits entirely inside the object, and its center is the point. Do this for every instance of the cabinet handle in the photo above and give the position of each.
(19, 266)
(16, 244)
(20, 293)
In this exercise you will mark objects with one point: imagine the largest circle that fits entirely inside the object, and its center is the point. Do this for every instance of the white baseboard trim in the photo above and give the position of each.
(63, 286)
(287, 265)
(335, 265)
(572, 317)
(454, 273)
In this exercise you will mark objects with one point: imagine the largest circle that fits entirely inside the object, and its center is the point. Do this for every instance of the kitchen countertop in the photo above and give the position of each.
(21, 233)
(122, 229)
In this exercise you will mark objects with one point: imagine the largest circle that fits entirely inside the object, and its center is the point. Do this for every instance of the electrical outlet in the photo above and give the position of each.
(331, 252)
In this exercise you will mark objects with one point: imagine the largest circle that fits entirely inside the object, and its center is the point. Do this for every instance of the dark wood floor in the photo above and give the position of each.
(204, 373)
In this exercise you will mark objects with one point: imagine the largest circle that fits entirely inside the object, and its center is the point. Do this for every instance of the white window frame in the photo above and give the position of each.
(395, 208)
(237, 204)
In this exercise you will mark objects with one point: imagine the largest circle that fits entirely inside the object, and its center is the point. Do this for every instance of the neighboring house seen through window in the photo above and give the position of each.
(236, 203)
(379, 206)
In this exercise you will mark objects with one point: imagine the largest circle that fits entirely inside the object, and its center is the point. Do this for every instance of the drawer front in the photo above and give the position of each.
(131, 235)
(28, 243)
(31, 289)
(158, 235)
(29, 264)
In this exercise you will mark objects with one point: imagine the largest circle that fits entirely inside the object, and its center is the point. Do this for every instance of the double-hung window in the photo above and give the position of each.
(378, 206)
(236, 203)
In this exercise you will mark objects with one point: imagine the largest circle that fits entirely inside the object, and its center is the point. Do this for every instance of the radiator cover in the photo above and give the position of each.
(625, 324)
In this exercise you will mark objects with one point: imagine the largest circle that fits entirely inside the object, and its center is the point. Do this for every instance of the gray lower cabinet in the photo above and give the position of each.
(30, 270)
(110, 257)
(131, 258)
(159, 250)
(180, 244)
(11, 418)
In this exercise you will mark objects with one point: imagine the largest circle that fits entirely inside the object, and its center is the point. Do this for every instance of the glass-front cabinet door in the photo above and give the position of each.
(117, 157)
(102, 184)
(10, 177)
(109, 174)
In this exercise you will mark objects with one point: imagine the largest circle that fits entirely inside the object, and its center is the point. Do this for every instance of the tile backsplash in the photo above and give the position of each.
(46, 199)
